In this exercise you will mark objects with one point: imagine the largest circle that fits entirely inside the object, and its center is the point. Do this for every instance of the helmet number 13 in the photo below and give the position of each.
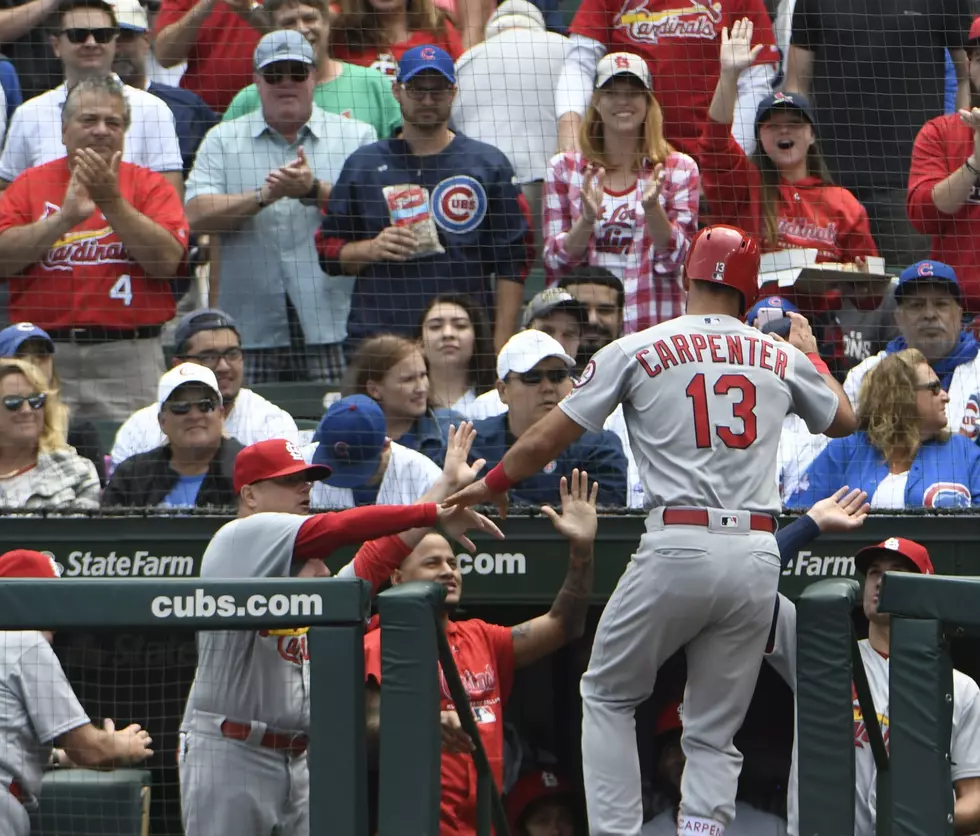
(743, 410)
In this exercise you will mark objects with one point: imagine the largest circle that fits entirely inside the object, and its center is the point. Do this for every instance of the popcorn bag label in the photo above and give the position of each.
(408, 207)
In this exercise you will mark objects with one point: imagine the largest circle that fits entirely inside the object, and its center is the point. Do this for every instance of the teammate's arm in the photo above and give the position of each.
(88, 746)
(565, 621)
(966, 809)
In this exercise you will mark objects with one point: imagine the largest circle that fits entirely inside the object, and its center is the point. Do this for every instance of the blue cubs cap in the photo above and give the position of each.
(14, 336)
(796, 101)
(934, 272)
(426, 57)
(350, 440)
(770, 302)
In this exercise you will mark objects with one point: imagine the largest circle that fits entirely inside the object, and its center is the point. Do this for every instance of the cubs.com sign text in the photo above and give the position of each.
(202, 605)
(492, 564)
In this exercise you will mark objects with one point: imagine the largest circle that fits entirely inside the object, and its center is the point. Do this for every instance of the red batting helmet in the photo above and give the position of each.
(726, 255)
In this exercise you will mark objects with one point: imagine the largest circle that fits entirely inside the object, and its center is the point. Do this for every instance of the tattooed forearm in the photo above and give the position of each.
(572, 602)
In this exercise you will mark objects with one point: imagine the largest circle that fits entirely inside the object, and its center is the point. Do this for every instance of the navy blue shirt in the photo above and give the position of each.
(480, 215)
(601, 454)
(192, 119)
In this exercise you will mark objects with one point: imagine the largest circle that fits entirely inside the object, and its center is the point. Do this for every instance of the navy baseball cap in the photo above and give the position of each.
(14, 336)
(770, 302)
(934, 272)
(206, 319)
(426, 57)
(350, 440)
(793, 101)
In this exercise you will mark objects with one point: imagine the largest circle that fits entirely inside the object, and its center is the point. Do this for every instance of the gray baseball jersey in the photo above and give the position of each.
(254, 676)
(37, 704)
(704, 399)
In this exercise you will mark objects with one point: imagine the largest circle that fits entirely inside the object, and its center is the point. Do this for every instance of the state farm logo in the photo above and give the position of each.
(810, 565)
(141, 564)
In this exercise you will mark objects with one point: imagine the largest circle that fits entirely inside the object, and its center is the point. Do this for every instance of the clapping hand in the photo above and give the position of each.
(737, 52)
(99, 177)
(593, 189)
(77, 206)
(651, 194)
(295, 179)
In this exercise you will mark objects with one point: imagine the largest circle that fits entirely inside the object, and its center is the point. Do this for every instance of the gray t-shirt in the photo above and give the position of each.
(704, 398)
(254, 676)
(37, 705)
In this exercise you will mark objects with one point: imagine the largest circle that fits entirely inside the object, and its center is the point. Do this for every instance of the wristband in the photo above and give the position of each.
(498, 481)
(818, 362)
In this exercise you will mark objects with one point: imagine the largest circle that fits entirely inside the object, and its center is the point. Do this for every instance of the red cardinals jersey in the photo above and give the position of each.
(484, 655)
(941, 147)
(87, 278)
(812, 214)
(680, 41)
(385, 58)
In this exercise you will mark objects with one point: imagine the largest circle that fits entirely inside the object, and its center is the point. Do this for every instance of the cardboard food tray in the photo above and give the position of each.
(798, 269)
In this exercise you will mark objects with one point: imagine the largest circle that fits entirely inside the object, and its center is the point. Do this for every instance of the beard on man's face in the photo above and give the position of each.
(594, 337)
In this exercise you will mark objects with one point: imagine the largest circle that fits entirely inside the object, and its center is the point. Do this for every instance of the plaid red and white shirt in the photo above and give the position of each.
(620, 242)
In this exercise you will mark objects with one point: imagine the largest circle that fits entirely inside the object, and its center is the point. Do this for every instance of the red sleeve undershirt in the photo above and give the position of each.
(322, 534)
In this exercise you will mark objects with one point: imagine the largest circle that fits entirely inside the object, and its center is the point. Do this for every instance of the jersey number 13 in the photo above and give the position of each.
(743, 409)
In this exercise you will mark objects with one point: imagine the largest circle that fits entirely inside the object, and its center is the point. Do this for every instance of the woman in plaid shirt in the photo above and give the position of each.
(627, 202)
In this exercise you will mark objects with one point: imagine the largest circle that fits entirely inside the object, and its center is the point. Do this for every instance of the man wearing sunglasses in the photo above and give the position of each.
(85, 42)
(257, 185)
(195, 465)
(533, 375)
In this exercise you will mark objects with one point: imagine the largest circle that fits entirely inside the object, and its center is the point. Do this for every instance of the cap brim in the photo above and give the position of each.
(408, 76)
(622, 74)
(864, 558)
(570, 362)
(346, 474)
(281, 59)
(318, 472)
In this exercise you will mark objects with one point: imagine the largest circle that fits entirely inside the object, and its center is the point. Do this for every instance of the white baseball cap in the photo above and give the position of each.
(130, 15)
(623, 63)
(186, 373)
(525, 350)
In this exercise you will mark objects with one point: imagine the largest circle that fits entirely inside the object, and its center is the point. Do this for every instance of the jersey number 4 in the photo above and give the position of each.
(743, 409)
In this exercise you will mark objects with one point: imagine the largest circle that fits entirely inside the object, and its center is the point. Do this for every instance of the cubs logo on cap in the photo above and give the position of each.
(930, 270)
(459, 204)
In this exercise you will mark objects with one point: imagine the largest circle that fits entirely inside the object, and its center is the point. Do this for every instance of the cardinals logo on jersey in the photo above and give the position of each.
(697, 20)
(291, 644)
(82, 247)
(861, 739)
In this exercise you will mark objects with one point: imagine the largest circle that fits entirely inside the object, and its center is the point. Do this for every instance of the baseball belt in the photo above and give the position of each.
(292, 743)
(699, 516)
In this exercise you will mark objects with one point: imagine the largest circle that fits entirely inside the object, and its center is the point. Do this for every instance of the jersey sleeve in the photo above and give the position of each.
(341, 224)
(260, 546)
(171, 12)
(377, 560)
(322, 534)
(46, 693)
(162, 149)
(16, 157)
(965, 744)
(813, 399)
(372, 655)
(601, 388)
(501, 641)
(15, 204)
(930, 165)
(856, 240)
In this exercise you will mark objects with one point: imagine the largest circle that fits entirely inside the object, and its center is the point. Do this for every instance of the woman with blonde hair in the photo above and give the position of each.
(904, 455)
(627, 201)
(38, 470)
(376, 33)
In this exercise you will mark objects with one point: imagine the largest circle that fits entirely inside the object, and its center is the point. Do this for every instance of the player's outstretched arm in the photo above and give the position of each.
(89, 746)
(565, 621)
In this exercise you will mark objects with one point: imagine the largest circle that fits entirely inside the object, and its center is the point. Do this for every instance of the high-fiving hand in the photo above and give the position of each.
(578, 521)
(737, 53)
(456, 470)
(846, 510)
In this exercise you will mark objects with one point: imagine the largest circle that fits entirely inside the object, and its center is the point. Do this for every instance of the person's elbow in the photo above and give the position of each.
(845, 420)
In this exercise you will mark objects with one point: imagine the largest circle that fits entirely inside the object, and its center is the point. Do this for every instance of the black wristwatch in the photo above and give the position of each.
(312, 197)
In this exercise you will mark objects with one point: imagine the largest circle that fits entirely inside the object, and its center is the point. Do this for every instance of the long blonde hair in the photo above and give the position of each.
(652, 146)
(54, 434)
(889, 411)
(358, 26)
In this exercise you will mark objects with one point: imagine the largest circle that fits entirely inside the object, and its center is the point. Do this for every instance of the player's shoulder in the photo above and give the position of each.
(254, 524)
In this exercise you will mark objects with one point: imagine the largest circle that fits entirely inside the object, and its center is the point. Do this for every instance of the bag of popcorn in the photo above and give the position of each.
(408, 207)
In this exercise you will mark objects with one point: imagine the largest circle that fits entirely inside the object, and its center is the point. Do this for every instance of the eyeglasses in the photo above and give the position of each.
(15, 402)
(293, 70)
(534, 377)
(418, 94)
(211, 359)
(934, 387)
(205, 405)
(78, 35)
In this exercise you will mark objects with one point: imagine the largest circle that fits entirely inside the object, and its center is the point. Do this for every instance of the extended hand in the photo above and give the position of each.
(737, 52)
(456, 521)
(100, 178)
(578, 521)
(479, 494)
(456, 471)
(844, 511)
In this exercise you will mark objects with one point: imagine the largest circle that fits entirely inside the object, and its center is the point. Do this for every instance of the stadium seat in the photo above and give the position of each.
(86, 802)
(301, 400)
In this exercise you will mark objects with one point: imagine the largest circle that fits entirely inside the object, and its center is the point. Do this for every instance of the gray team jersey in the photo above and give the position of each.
(37, 704)
(253, 676)
(704, 399)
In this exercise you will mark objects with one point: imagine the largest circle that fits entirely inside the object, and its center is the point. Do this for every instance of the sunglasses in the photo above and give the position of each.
(293, 70)
(419, 94)
(934, 387)
(211, 359)
(534, 377)
(15, 402)
(102, 35)
(205, 405)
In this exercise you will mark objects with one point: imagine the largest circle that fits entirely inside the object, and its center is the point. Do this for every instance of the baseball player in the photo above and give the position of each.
(704, 397)
(242, 758)
(38, 708)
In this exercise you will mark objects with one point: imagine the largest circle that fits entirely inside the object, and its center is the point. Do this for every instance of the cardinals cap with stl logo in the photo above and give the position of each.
(532, 787)
(622, 63)
(273, 459)
(350, 440)
(909, 549)
(25, 563)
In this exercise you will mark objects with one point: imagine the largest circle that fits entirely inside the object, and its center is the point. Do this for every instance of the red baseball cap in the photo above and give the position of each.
(670, 719)
(974, 30)
(908, 549)
(272, 459)
(531, 787)
(24, 563)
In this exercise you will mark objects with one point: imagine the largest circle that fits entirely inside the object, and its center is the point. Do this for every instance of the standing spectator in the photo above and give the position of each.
(25, 341)
(196, 463)
(368, 467)
(378, 33)
(25, 32)
(627, 201)
(39, 469)
(601, 291)
(874, 86)
(348, 90)
(157, 72)
(257, 185)
(192, 117)
(428, 213)
(216, 39)
(88, 245)
(459, 355)
(680, 46)
(86, 45)
(210, 338)
(944, 185)
(391, 371)
(533, 375)
(507, 94)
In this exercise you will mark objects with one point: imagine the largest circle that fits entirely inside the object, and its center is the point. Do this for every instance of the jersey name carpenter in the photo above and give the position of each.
(739, 350)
